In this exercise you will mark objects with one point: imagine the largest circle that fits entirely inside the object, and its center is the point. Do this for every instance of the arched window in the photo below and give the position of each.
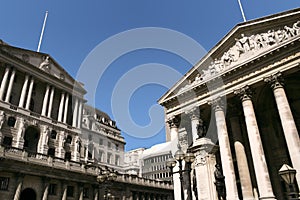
(69, 139)
(11, 121)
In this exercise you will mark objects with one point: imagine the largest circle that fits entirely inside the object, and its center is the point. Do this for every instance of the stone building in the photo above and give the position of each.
(52, 145)
(239, 107)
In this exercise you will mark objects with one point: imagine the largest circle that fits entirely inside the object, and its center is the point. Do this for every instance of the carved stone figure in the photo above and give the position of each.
(201, 129)
(45, 64)
(289, 31)
(22, 127)
(46, 134)
(220, 182)
(296, 27)
(245, 43)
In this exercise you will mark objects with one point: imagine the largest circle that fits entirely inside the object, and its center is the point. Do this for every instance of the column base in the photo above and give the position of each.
(263, 198)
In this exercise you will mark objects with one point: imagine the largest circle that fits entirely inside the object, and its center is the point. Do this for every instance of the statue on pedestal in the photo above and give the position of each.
(220, 183)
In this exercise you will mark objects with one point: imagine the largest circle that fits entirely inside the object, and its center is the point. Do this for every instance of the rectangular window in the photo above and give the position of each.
(100, 141)
(70, 191)
(117, 160)
(100, 156)
(117, 147)
(4, 181)
(109, 145)
(108, 158)
(86, 193)
(52, 189)
(7, 141)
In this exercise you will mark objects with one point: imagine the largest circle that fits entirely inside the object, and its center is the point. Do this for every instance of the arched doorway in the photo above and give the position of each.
(31, 138)
(28, 194)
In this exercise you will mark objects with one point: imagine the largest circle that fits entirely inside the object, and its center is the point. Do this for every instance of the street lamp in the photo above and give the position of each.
(189, 159)
(288, 174)
(106, 177)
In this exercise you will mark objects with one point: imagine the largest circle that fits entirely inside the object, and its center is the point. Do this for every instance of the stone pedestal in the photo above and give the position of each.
(204, 150)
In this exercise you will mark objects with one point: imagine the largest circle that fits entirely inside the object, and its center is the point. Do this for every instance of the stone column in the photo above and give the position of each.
(23, 93)
(4, 82)
(174, 123)
(96, 194)
(81, 193)
(19, 188)
(45, 102)
(29, 93)
(258, 155)
(194, 116)
(205, 160)
(10, 85)
(245, 179)
(225, 151)
(64, 195)
(61, 107)
(79, 114)
(75, 113)
(45, 194)
(50, 102)
(66, 108)
(287, 121)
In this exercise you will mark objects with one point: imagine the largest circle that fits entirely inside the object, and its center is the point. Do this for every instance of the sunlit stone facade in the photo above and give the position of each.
(53, 145)
(239, 107)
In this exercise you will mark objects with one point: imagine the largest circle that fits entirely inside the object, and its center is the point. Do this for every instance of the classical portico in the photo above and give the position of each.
(246, 91)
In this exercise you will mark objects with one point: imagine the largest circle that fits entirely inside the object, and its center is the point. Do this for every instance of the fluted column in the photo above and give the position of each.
(287, 121)
(174, 123)
(226, 157)
(258, 155)
(75, 113)
(245, 179)
(29, 93)
(19, 188)
(23, 93)
(4, 82)
(45, 102)
(10, 85)
(50, 102)
(66, 108)
(79, 114)
(61, 107)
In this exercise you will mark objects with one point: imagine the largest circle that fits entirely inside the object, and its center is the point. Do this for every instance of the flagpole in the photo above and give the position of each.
(242, 11)
(42, 33)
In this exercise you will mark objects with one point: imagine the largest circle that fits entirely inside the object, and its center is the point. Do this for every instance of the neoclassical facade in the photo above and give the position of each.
(239, 108)
(53, 145)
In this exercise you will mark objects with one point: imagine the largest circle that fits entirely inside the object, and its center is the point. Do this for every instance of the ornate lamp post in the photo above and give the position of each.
(107, 177)
(288, 175)
(189, 159)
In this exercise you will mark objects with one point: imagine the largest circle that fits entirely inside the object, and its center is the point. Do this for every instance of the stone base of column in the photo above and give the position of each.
(205, 161)
(273, 198)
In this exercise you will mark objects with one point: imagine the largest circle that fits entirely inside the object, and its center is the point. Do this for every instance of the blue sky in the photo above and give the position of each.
(75, 28)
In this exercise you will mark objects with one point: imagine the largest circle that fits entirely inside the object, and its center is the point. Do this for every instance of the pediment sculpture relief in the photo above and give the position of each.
(244, 47)
(45, 64)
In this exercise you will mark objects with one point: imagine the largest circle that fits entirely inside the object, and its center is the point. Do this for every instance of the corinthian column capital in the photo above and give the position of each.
(217, 104)
(245, 93)
(193, 113)
(174, 121)
(275, 80)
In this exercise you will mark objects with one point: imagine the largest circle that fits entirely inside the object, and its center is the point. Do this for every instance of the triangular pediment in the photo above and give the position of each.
(241, 45)
(41, 61)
